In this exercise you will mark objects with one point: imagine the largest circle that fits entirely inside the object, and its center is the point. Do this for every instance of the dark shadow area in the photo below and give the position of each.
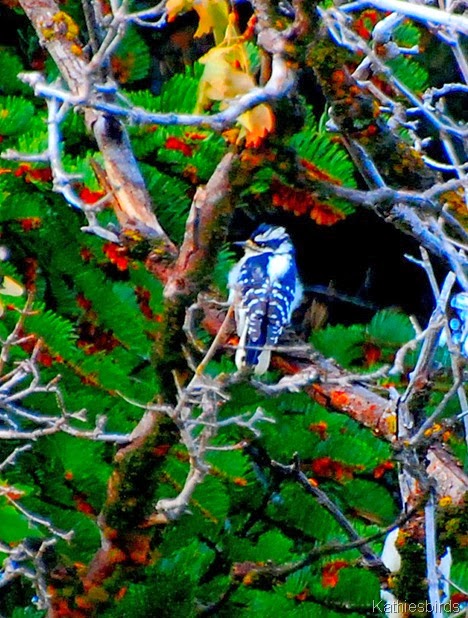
(361, 258)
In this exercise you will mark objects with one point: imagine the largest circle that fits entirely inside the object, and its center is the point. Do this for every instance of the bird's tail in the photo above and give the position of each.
(252, 356)
(259, 362)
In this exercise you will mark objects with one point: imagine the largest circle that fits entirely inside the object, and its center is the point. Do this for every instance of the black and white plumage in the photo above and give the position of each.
(265, 290)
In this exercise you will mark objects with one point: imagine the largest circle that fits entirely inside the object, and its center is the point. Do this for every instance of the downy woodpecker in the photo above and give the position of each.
(265, 289)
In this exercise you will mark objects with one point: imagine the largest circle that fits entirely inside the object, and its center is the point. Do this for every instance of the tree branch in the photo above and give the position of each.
(131, 199)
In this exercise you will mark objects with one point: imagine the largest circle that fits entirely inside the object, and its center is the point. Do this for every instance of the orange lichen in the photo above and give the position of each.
(340, 399)
(66, 25)
(455, 200)
(75, 49)
(445, 501)
(391, 423)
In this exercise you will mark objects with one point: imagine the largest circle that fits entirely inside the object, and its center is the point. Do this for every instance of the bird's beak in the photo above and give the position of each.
(247, 244)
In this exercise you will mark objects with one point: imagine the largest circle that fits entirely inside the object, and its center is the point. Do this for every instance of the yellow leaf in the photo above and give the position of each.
(212, 15)
(10, 287)
(174, 7)
(223, 83)
(226, 73)
(257, 123)
(232, 46)
(226, 76)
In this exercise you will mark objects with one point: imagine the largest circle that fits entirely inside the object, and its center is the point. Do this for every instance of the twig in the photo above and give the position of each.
(419, 435)
(291, 384)
(11, 459)
(282, 571)
(431, 340)
(115, 33)
(279, 85)
(294, 473)
(431, 557)
(42, 521)
(454, 353)
(419, 12)
(131, 200)
(216, 341)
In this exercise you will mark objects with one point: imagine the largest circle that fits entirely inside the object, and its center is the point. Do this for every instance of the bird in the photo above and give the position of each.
(459, 325)
(264, 290)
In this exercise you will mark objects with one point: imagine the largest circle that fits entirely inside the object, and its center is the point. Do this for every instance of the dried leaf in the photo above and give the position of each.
(258, 123)
(10, 287)
(226, 76)
(213, 15)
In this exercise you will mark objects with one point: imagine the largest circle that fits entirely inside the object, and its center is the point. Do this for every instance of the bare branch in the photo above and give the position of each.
(294, 473)
(11, 459)
(279, 85)
(431, 557)
(419, 12)
(131, 199)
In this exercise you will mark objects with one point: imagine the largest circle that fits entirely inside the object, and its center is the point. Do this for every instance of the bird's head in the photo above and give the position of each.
(268, 238)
